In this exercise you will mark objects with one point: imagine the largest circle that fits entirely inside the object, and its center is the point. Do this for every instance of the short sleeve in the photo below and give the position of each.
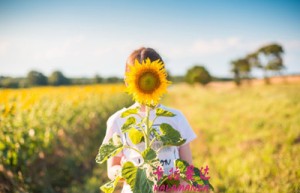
(185, 129)
(111, 128)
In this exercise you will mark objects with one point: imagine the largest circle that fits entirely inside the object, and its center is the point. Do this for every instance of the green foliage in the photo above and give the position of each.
(129, 112)
(98, 79)
(36, 78)
(273, 55)
(141, 178)
(130, 122)
(169, 135)
(129, 171)
(274, 62)
(197, 180)
(114, 80)
(136, 178)
(9, 82)
(241, 65)
(109, 187)
(168, 182)
(111, 149)
(163, 113)
(149, 154)
(241, 69)
(57, 78)
(271, 49)
(198, 74)
(135, 136)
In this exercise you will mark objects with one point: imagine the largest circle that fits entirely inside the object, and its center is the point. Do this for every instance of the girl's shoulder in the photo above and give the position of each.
(114, 117)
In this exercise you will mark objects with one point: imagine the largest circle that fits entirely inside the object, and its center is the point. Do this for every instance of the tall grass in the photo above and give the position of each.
(249, 137)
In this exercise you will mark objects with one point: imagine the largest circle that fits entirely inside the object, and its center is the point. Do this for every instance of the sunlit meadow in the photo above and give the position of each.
(249, 136)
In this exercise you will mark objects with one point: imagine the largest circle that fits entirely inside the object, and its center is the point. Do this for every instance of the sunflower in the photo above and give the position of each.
(147, 81)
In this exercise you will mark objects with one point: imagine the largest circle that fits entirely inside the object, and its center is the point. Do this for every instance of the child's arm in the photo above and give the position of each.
(113, 167)
(185, 153)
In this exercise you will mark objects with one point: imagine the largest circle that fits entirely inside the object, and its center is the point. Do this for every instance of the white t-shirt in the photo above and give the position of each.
(167, 155)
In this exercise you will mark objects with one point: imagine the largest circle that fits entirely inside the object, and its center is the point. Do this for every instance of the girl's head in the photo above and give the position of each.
(146, 81)
(142, 54)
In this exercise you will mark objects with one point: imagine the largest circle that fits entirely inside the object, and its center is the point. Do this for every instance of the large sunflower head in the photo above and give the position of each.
(147, 81)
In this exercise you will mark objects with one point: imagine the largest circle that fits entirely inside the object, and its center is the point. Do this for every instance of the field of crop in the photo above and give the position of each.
(50, 136)
(249, 137)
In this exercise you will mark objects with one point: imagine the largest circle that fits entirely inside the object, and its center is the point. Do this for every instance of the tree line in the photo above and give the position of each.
(196, 74)
(56, 78)
(267, 58)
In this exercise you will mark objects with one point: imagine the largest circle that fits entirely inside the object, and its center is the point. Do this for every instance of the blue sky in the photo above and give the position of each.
(84, 38)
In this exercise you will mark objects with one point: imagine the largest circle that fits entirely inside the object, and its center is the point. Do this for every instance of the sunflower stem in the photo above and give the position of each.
(152, 141)
(147, 140)
(129, 147)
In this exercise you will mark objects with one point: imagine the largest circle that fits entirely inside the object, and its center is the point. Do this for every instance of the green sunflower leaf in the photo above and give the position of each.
(168, 182)
(112, 148)
(129, 171)
(164, 113)
(149, 154)
(129, 123)
(136, 178)
(135, 135)
(109, 187)
(197, 180)
(169, 135)
(143, 184)
(130, 112)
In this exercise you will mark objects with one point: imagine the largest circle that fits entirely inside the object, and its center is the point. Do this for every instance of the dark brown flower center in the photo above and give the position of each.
(148, 82)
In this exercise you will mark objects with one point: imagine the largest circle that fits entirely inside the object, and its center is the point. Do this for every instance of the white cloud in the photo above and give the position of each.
(114, 47)
(216, 45)
(231, 46)
(210, 47)
(292, 45)
(61, 48)
(4, 47)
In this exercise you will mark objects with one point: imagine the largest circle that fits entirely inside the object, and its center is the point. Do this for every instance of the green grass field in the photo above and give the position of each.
(249, 137)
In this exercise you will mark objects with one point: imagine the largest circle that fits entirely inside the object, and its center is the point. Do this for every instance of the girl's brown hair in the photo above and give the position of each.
(142, 54)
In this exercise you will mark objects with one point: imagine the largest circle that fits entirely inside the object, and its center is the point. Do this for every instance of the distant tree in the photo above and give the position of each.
(253, 60)
(198, 74)
(35, 78)
(235, 70)
(22, 83)
(114, 79)
(177, 79)
(98, 79)
(57, 78)
(273, 57)
(82, 81)
(9, 82)
(241, 69)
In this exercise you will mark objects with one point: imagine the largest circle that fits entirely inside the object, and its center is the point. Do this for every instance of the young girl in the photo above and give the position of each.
(166, 155)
